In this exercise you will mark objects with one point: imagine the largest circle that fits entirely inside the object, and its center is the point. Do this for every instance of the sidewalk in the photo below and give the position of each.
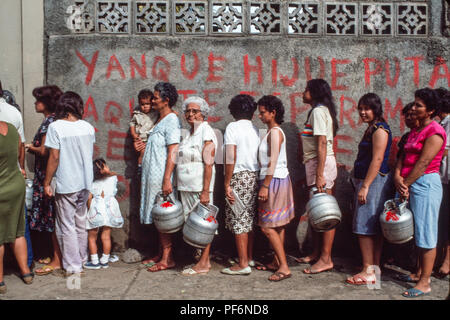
(123, 281)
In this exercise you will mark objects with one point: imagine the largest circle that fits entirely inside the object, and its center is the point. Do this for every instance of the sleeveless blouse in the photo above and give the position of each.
(281, 170)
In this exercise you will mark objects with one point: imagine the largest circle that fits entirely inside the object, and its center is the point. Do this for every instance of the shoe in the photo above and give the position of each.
(405, 278)
(192, 272)
(113, 258)
(243, 272)
(27, 278)
(45, 270)
(2, 287)
(92, 266)
(104, 265)
(414, 293)
(251, 263)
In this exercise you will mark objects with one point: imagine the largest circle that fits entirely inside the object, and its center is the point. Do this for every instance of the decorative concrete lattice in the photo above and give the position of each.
(265, 18)
(190, 17)
(113, 16)
(304, 18)
(152, 17)
(80, 17)
(227, 17)
(341, 18)
(446, 19)
(412, 19)
(377, 19)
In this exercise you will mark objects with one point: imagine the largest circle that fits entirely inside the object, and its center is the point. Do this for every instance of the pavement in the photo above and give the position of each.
(122, 281)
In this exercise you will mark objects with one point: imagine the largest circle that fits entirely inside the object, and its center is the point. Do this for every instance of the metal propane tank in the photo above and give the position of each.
(167, 213)
(201, 225)
(29, 193)
(323, 211)
(397, 223)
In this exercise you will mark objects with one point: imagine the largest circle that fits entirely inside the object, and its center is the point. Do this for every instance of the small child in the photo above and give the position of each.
(143, 120)
(104, 212)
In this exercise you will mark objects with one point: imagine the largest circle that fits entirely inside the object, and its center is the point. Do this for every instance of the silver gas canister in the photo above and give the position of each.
(397, 223)
(323, 211)
(201, 225)
(167, 213)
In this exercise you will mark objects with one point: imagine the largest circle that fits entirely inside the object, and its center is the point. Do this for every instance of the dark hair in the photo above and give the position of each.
(10, 99)
(373, 101)
(69, 102)
(444, 97)
(431, 99)
(320, 92)
(167, 91)
(1, 89)
(48, 95)
(272, 103)
(145, 94)
(98, 164)
(407, 108)
(242, 106)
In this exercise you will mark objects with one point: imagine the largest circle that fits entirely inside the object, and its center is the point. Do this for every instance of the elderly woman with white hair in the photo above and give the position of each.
(195, 168)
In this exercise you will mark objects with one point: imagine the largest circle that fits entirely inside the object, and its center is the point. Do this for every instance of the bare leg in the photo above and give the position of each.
(370, 257)
(275, 240)
(444, 269)
(2, 252)
(57, 257)
(242, 249)
(203, 265)
(166, 259)
(427, 257)
(106, 240)
(20, 251)
(92, 240)
(250, 245)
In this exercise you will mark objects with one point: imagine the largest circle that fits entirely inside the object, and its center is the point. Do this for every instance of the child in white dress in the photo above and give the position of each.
(104, 212)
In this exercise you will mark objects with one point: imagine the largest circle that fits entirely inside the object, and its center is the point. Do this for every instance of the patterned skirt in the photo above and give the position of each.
(278, 210)
(245, 184)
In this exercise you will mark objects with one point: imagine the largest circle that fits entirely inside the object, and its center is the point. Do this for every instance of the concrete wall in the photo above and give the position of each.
(109, 68)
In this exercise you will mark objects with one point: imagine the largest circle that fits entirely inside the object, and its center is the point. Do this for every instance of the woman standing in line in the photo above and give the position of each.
(419, 181)
(373, 185)
(42, 213)
(158, 166)
(320, 163)
(275, 197)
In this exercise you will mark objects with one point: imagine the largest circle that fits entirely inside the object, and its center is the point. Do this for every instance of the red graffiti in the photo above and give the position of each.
(296, 110)
(289, 82)
(368, 72)
(249, 68)
(250, 93)
(390, 112)
(212, 68)
(347, 113)
(114, 65)
(135, 67)
(131, 106)
(416, 61)
(113, 143)
(436, 75)
(113, 116)
(89, 65)
(335, 75)
(87, 112)
(391, 215)
(387, 72)
(308, 68)
(190, 75)
(186, 93)
(345, 138)
(274, 72)
(163, 72)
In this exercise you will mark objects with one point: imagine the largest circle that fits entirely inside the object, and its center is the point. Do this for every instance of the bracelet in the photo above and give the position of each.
(263, 185)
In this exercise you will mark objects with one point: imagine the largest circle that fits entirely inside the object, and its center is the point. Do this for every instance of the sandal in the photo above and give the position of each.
(47, 269)
(279, 276)
(2, 287)
(45, 260)
(414, 293)
(27, 278)
(159, 267)
(358, 280)
(265, 267)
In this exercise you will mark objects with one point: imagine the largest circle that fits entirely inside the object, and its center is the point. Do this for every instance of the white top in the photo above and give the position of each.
(445, 162)
(190, 166)
(104, 209)
(319, 123)
(75, 142)
(281, 170)
(244, 136)
(10, 114)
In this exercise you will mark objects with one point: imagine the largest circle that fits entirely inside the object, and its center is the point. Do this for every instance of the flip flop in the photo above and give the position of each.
(192, 272)
(45, 260)
(159, 267)
(357, 280)
(27, 278)
(47, 269)
(414, 293)
(279, 276)
(310, 271)
(265, 267)
(302, 260)
(405, 278)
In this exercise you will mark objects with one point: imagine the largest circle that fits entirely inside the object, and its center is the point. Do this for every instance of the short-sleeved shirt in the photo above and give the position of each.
(365, 148)
(143, 122)
(245, 137)
(75, 142)
(10, 114)
(319, 123)
(190, 166)
(414, 146)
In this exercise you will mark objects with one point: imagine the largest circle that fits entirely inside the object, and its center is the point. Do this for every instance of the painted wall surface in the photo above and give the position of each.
(108, 71)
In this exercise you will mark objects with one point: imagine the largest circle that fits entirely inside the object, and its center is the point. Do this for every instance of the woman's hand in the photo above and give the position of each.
(362, 194)
(27, 147)
(204, 197)
(400, 185)
(229, 194)
(167, 187)
(320, 183)
(263, 194)
(139, 145)
(48, 191)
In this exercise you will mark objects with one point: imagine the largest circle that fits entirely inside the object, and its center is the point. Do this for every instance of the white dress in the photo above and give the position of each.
(104, 210)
